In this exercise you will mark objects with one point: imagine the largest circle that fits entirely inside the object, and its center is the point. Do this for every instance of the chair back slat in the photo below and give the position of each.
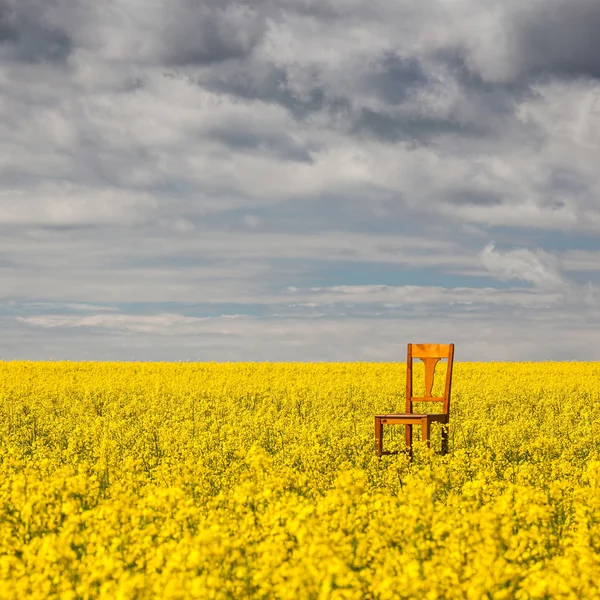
(431, 350)
(430, 354)
(430, 363)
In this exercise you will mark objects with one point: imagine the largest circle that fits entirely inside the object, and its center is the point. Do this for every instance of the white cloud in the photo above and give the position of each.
(200, 265)
(324, 339)
(581, 260)
(534, 266)
(412, 295)
(528, 214)
(67, 205)
(163, 324)
(74, 306)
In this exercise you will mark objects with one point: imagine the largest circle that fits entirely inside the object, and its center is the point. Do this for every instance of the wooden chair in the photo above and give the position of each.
(430, 354)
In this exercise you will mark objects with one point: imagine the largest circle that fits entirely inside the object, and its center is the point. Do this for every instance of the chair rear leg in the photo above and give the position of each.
(378, 436)
(408, 435)
(426, 431)
(445, 439)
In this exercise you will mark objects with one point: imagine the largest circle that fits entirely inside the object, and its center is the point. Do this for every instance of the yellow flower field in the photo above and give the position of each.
(242, 480)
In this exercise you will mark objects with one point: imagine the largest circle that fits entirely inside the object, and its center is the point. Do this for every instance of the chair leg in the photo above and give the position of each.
(444, 439)
(408, 436)
(378, 436)
(425, 431)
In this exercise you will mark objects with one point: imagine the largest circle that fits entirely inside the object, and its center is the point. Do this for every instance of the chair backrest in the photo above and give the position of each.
(430, 354)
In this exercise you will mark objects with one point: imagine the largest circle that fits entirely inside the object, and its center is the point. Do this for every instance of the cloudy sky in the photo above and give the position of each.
(299, 179)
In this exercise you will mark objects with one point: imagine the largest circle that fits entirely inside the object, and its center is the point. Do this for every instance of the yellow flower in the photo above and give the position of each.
(241, 480)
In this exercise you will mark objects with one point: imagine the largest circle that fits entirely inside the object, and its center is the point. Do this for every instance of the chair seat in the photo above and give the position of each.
(438, 418)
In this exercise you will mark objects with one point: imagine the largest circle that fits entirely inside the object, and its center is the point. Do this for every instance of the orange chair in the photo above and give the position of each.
(430, 354)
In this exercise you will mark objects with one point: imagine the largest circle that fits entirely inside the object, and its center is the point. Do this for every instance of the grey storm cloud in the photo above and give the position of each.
(558, 37)
(542, 36)
(275, 143)
(263, 81)
(378, 92)
(28, 34)
(392, 92)
(199, 33)
(468, 196)
(213, 153)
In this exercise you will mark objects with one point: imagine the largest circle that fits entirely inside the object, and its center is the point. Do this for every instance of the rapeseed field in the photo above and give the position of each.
(240, 480)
